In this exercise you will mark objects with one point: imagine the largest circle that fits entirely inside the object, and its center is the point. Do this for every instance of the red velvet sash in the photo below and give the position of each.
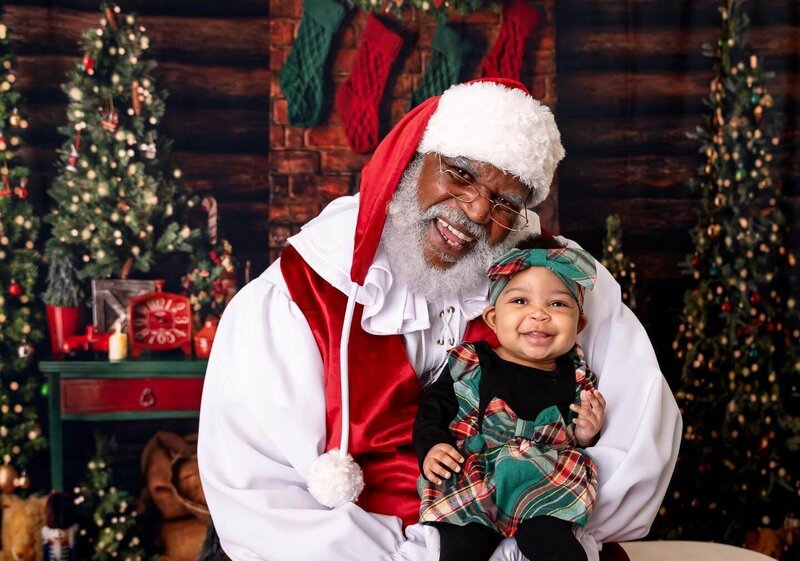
(384, 392)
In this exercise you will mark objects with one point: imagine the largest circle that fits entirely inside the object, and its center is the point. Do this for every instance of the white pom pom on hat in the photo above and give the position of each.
(498, 125)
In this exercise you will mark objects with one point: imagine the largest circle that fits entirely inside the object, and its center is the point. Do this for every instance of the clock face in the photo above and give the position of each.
(161, 321)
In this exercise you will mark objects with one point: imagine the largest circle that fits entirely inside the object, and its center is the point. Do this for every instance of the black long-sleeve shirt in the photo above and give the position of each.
(526, 390)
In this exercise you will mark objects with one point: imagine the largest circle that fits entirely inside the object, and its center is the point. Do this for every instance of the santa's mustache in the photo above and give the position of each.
(456, 218)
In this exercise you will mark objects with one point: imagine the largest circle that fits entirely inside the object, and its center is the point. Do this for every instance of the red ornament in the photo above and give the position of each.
(88, 65)
(755, 298)
(22, 193)
(15, 289)
(73, 158)
(695, 261)
(214, 257)
(3, 143)
(726, 307)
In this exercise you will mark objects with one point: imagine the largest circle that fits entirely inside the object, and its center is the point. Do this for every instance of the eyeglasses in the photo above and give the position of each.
(504, 213)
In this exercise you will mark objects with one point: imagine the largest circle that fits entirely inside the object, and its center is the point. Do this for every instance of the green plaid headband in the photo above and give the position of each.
(574, 267)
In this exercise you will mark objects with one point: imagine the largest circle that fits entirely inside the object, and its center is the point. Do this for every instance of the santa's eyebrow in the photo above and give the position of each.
(462, 162)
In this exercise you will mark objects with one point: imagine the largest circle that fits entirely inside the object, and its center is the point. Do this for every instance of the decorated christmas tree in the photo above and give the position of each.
(617, 263)
(739, 465)
(20, 324)
(106, 515)
(116, 206)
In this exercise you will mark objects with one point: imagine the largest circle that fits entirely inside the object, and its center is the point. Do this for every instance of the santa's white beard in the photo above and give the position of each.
(404, 240)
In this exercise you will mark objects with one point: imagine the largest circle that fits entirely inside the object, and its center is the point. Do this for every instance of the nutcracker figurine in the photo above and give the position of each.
(59, 534)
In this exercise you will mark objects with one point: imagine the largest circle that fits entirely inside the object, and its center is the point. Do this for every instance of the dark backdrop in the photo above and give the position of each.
(631, 79)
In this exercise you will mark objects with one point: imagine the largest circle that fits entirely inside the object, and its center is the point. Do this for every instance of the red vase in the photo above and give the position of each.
(63, 322)
(205, 338)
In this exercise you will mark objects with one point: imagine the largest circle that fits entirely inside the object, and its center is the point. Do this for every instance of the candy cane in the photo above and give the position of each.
(209, 204)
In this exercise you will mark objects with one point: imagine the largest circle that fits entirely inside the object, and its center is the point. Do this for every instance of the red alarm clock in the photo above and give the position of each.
(159, 321)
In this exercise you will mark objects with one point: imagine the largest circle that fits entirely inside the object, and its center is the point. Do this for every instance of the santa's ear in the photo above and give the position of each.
(583, 321)
(490, 317)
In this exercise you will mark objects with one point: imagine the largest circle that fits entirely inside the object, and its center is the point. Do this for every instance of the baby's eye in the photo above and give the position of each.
(558, 304)
(519, 301)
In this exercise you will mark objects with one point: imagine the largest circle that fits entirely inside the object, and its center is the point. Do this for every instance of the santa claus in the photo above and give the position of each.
(317, 367)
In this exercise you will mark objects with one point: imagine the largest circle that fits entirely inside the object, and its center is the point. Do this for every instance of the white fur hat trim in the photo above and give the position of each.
(498, 125)
(335, 479)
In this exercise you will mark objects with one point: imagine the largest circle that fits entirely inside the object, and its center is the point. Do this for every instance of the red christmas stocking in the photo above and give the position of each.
(505, 58)
(357, 100)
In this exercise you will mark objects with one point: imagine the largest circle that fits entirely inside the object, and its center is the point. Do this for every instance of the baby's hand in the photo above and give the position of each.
(590, 416)
(439, 460)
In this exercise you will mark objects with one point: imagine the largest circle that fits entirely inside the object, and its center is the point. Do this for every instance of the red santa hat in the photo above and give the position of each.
(495, 121)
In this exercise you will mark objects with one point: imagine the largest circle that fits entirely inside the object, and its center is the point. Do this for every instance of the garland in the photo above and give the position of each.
(440, 9)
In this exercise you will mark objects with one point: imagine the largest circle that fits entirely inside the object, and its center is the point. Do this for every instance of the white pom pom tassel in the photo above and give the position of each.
(334, 480)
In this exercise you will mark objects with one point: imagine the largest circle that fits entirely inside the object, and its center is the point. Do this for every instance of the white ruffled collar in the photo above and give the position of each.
(326, 244)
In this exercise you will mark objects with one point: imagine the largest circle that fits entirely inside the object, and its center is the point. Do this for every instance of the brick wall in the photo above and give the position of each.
(310, 167)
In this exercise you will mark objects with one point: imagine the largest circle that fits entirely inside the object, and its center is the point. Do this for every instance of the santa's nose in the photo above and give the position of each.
(479, 210)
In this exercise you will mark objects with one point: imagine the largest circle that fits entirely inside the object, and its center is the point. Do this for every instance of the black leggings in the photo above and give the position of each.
(543, 538)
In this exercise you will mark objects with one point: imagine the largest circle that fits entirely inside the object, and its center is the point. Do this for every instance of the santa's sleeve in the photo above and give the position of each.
(262, 423)
(639, 441)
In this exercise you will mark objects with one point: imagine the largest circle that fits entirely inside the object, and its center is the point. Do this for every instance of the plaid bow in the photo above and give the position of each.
(575, 268)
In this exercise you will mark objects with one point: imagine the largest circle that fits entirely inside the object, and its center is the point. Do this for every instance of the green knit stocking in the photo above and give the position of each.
(444, 69)
(301, 76)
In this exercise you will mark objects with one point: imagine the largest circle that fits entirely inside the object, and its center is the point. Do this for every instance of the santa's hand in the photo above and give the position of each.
(440, 461)
(590, 416)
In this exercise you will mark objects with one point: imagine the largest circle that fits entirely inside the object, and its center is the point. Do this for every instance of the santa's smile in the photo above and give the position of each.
(455, 239)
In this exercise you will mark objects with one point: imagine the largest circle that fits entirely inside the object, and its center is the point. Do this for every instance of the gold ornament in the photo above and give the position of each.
(136, 100)
(7, 477)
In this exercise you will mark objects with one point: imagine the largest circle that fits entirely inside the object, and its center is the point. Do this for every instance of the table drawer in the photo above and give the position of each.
(117, 395)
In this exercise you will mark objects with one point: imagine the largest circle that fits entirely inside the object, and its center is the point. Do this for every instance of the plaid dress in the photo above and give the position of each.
(514, 469)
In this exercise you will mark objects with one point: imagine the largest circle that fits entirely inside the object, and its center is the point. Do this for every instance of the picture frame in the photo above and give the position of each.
(110, 300)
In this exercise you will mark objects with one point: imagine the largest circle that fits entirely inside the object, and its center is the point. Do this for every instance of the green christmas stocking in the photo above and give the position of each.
(301, 76)
(444, 69)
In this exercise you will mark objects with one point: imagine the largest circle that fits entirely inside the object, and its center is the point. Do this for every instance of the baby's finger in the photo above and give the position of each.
(448, 461)
(581, 409)
(453, 453)
(439, 469)
(430, 476)
(592, 401)
(600, 398)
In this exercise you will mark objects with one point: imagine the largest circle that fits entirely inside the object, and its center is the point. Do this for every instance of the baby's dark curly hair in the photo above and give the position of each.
(539, 242)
